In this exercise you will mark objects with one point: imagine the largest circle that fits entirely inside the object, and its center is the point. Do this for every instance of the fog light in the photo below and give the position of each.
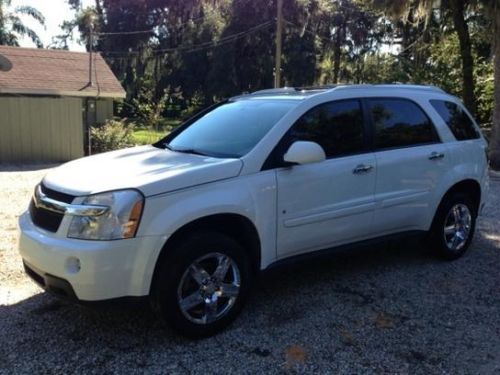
(72, 265)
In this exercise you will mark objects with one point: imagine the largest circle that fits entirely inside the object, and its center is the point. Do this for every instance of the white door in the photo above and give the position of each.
(410, 162)
(331, 202)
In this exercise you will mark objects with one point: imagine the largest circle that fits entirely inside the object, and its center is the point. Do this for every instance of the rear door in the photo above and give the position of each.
(469, 149)
(410, 161)
(331, 202)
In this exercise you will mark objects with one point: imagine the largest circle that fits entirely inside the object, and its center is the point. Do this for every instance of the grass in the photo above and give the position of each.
(145, 136)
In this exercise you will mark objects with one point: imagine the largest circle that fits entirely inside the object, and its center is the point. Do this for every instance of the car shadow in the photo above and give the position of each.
(117, 318)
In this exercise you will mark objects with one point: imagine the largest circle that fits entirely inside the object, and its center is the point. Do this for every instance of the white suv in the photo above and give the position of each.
(190, 220)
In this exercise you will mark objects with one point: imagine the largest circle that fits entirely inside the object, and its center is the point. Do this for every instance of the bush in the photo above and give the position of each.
(112, 135)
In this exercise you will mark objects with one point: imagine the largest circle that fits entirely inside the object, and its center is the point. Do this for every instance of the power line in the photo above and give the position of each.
(326, 40)
(149, 31)
(127, 32)
(196, 47)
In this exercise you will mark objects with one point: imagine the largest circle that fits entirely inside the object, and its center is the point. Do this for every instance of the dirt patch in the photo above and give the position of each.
(16, 184)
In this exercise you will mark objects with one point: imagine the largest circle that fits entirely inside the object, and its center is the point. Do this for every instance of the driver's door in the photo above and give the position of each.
(330, 202)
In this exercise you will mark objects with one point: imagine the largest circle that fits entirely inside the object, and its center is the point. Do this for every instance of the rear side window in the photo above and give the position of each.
(337, 126)
(457, 120)
(400, 123)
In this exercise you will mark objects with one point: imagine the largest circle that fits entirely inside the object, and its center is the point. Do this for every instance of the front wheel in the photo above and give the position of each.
(453, 227)
(202, 285)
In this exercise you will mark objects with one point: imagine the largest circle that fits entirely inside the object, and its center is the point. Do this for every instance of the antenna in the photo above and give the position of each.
(5, 64)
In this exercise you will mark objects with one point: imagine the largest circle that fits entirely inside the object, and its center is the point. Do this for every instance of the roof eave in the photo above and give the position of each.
(82, 94)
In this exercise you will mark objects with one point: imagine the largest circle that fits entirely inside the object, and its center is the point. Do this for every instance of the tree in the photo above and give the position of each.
(415, 10)
(195, 52)
(458, 8)
(495, 135)
(491, 7)
(11, 26)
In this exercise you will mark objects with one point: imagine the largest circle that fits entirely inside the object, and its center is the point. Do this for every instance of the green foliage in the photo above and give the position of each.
(197, 52)
(112, 135)
(12, 26)
(149, 109)
(147, 136)
(445, 71)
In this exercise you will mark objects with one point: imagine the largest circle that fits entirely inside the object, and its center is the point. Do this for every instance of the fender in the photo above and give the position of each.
(461, 171)
(251, 196)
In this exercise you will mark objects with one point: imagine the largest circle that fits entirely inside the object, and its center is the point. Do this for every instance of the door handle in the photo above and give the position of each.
(362, 168)
(436, 156)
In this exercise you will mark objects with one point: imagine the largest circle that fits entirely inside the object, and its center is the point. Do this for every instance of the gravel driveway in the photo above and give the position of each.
(391, 309)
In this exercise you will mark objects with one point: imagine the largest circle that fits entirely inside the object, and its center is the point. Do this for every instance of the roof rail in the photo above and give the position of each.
(396, 85)
(315, 88)
(330, 87)
(283, 90)
(414, 86)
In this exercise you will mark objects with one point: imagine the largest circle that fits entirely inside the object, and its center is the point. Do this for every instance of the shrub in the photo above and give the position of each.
(112, 135)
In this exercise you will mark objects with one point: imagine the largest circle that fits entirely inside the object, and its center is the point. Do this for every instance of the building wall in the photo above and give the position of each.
(104, 110)
(40, 129)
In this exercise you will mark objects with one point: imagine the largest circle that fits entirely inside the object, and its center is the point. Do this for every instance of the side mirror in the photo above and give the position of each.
(302, 152)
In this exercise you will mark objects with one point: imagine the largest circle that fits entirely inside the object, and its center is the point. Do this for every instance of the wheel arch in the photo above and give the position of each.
(236, 226)
(468, 186)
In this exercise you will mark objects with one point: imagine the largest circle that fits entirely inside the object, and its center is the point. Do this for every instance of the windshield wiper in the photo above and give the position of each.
(167, 146)
(185, 150)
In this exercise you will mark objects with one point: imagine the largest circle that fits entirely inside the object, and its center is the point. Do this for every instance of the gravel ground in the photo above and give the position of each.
(391, 309)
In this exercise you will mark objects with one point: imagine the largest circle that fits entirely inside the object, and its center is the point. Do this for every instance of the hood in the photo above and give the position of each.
(147, 168)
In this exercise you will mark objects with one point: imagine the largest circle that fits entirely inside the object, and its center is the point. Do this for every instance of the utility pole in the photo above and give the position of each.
(91, 45)
(90, 84)
(279, 30)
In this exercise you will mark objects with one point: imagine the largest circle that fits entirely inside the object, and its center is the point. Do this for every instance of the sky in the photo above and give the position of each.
(55, 12)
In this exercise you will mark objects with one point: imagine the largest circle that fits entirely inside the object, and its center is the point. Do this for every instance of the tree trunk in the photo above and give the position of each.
(495, 134)
(457, 7)
(336, 55)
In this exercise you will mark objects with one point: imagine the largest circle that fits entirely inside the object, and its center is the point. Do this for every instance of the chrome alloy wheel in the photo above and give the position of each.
(209, 288)
(457, 226)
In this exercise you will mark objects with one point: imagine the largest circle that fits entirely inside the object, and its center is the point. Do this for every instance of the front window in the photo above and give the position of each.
(336, 126)
(230, 130)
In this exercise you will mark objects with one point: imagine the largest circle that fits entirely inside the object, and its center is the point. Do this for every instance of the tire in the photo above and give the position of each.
(193, 268)
(453, 226)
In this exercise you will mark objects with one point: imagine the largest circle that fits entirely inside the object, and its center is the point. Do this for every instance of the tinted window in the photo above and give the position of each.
(230, 130)
(336, 126)
(400, 123)
(457, 120)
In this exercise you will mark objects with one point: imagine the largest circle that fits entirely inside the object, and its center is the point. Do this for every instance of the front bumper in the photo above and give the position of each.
(93, 270)
(52, 284)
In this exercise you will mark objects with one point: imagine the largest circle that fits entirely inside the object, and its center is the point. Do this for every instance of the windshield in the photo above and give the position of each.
(230, 130)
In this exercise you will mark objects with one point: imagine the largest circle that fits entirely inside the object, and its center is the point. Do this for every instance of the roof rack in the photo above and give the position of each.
(290, 90)
(396, 85)
(325, 88)
(317, 88)
(283, 90)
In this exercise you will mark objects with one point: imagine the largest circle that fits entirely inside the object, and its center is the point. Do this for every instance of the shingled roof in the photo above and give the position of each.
(57, 72)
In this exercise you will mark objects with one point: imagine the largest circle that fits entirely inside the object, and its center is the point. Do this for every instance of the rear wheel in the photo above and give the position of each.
(453, 227)
(202, 285)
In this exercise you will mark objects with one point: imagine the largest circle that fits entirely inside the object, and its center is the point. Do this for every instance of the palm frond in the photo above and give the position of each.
(21, 29)
(32, 12)
(34, 37)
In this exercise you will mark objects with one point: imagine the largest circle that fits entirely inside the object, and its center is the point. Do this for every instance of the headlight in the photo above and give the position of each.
(120, 221)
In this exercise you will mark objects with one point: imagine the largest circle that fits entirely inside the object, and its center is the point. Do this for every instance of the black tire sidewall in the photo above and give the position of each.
(436, 236)
(170, 272)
